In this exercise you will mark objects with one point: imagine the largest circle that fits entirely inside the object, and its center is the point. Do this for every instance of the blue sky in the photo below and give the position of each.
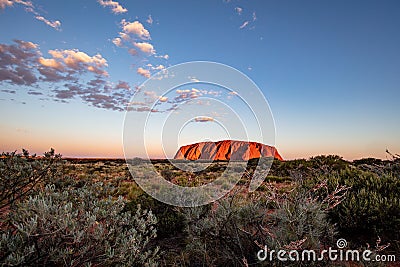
(330, 70)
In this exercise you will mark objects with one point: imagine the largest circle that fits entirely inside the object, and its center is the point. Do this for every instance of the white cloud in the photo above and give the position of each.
(51, 63)
(9, 3)
(239, 10)
(157, 67)
(117, 41)
(54, 24)
(163, 99)
(193, 79)
(136, 28)
(5, 3)
(77, 60)
(124, 36)
(244, 24)
(116, 7)
(143, 72)
(145, 47)
(166, 57)
(254, 16)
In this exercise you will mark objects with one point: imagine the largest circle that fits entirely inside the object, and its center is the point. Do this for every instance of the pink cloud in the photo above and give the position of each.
(116, 7)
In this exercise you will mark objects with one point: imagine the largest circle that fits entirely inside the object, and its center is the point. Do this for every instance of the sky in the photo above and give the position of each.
(329, 71)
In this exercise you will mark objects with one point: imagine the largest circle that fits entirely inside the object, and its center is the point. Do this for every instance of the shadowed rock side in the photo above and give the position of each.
(226, 150)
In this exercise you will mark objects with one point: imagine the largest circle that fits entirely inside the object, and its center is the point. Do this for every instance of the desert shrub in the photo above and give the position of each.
(371, 207)
(74, 227)
(232, 230)
(22, 173)
(170, 221)
(301, 169)
(217, 235)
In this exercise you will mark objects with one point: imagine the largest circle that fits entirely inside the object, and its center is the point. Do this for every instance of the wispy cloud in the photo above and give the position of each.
(54, 24)
(239, 10)
(29, 7)
(116, 7)
(166, 56)
(149, 20)
(244, 24)
(157, 67)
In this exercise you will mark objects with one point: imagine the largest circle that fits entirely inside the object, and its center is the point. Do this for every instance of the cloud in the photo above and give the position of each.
(244, 24)
(9, 3)
(134, 37)
(193, 79)
(51, 63)
(143, 72)
(34, 93)
(149, 20)
(16, 61)
(135, 28)
(145, 47)
(117, 41)
(122, 85)
(188, 93)
(157, 67)
(5, 3)
(78, 61)
(239, 10)
(116, 7)
(69, 74)
(29, 7)
(203, 119)
(54, 24)
(254, 16)
(163, 98)
(136, 103)
(8, 91)
(166, 56)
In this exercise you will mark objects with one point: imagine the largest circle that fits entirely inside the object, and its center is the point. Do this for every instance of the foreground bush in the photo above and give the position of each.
(72, 227)
(232, 230)
(22, 173)
(50, 219)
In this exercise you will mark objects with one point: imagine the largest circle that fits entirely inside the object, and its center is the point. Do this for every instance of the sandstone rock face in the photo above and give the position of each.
(226, 150)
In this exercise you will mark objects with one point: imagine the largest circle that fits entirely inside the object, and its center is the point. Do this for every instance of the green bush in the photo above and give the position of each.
(22, 173)
(73, 227)
(231, 230)
(170, 221)
(371, 207)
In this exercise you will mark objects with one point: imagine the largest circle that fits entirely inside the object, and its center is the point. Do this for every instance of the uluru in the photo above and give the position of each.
(226, 150)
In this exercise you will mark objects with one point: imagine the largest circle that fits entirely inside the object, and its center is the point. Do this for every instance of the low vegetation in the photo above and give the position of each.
(57, 212)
